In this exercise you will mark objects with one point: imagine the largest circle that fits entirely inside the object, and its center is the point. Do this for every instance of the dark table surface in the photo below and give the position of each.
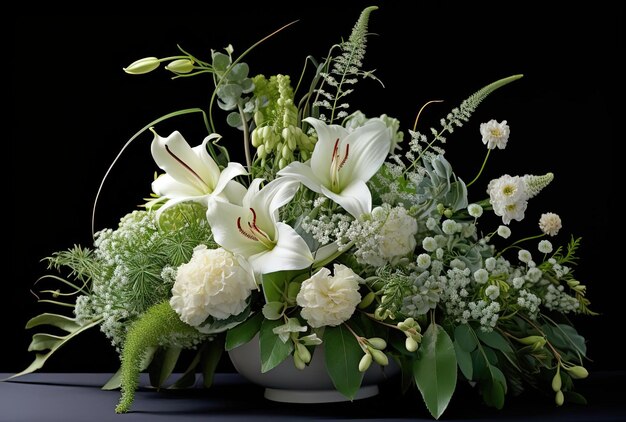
(65, 397)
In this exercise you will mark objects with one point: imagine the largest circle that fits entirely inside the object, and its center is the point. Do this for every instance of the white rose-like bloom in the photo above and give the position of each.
(396, 237)
(329, 300)
(550, 223)
(213, 283)
(495, 134)
(509, 197)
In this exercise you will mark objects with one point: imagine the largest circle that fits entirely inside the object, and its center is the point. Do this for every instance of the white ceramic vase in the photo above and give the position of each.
(285, 383)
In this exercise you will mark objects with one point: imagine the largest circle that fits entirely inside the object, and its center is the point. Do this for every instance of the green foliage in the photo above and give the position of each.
(342, 354)
(273, 349)
(154, 327)
(435, 370)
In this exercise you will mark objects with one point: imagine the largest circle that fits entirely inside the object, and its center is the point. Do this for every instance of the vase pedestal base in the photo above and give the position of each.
(316, 396)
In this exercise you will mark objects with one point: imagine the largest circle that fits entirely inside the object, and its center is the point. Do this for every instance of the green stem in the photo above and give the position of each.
(246, 138)
(481, 169)
(519, 241)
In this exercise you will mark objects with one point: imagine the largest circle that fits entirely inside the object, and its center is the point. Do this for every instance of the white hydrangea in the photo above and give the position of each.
(481, 276)
(495, 134)
(524, 256)
(509, 197)
(490, 263)
(423, 261)
(475, 210)
(550, 223)
(396, 237)
(329, 300)
(504, 232)
(429, 244)
(213, 283)
(545, 246)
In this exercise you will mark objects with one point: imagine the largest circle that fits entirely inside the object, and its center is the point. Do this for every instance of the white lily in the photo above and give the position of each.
(342, 162)
(190, 173)
(253, 230)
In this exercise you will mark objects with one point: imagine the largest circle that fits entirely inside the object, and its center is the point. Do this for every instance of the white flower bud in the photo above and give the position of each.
(141, 66)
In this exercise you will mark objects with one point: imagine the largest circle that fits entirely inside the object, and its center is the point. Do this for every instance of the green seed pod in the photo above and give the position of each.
(258, 118)
(559, 399)
(291, 142)
(367, 300)
(255, 139)
(410, 344)
(377, 343)
(303, 353)
(365, 362)
(379, 357)
(298, 362)
(556, 382)
(285, 133)
(260, 151)
(577, 372)
(286, 152)
(282, 163)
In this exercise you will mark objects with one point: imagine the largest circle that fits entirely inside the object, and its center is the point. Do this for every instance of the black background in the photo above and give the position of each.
(74, 108)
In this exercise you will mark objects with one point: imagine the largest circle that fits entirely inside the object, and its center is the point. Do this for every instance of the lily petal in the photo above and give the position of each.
(303, 173)
(369, 146)
(222, 218)
(327, 136)
(166, 185)
(290, 253)
(231, 171)
(355, 198)
(193, 166)
(234, 192)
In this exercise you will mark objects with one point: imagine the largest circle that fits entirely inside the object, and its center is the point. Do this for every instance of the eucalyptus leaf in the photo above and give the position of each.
(244, 332)
(234, 119)
(273, 350)
(342, 354)
(221, 62)
(435, 370)
(238, 72)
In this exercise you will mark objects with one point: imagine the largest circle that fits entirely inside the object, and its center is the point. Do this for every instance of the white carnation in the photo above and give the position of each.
(329, 300)
(213, 283)
(495, 134)
(550, 223)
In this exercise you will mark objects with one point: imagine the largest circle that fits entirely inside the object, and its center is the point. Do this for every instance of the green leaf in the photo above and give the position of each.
(342, 354)
(114, 382)
(574, 397)
(464, 335)
(565, 337)
(273, 350)
(210, 358)
(60, 322)
(493, 393)
(244, 332)
(273, 310)
(221, 62)
(163, 365)
(464, 360)
(188, 378)
(494, 339)
(435, 370)
(275, 285)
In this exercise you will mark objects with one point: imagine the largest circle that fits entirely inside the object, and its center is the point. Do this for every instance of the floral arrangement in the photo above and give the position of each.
(336, 230)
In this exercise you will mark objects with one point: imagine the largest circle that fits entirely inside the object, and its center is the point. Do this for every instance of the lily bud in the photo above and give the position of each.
(410, 344)
(577, 372)
(365, 362)
(180, 66)
(559, 399)
(303, 353)
(379, 357)
(377, 343)
(556, 382)
(141, 66)
(536, 341)
(367, 300)
(298, 362)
